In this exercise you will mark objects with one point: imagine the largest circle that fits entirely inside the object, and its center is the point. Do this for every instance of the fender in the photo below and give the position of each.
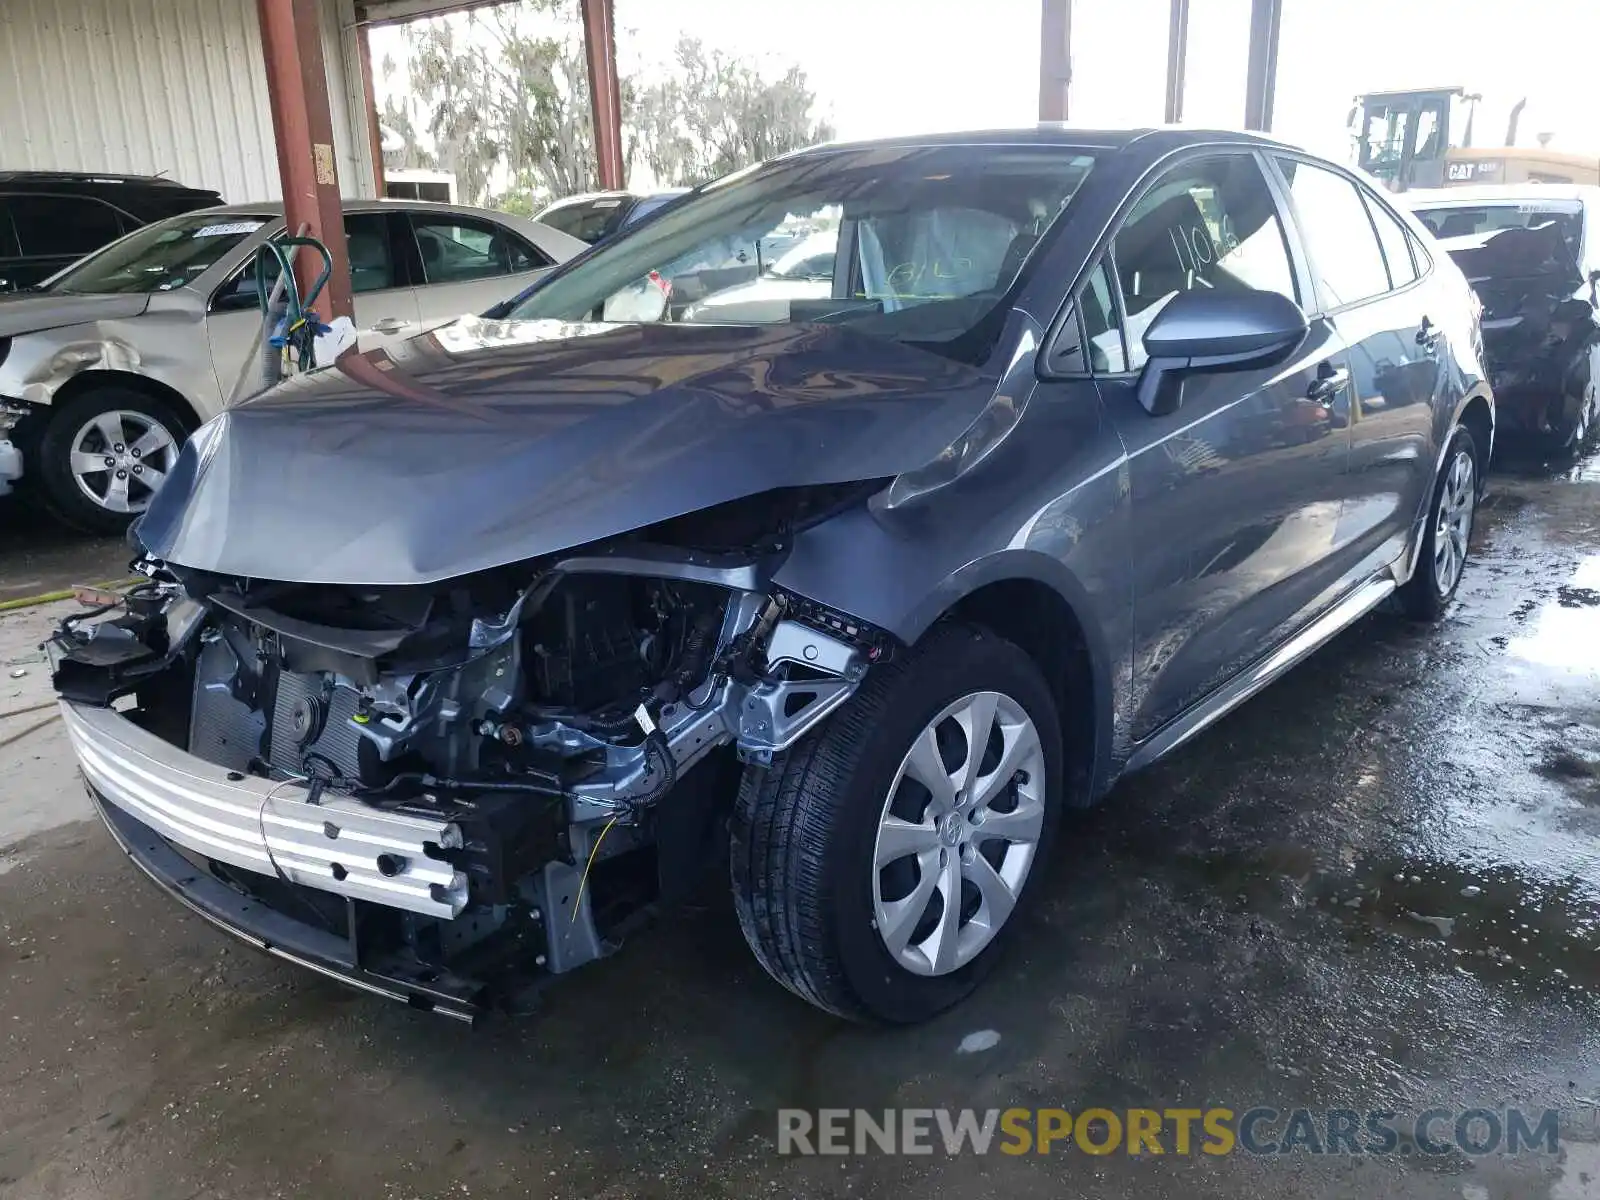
(853, 565)
(1478, 391)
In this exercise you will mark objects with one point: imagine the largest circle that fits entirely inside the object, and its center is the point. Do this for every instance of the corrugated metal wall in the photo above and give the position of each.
(174, 87)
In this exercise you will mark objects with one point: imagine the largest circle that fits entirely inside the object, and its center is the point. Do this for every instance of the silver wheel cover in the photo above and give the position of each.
(958, 833)
(1453, 523)
(120, 458)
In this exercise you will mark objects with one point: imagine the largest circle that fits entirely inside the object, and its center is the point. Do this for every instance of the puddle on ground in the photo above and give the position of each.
(1490, 922)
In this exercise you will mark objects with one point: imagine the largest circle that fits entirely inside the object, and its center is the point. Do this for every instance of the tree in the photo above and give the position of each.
(503, 95)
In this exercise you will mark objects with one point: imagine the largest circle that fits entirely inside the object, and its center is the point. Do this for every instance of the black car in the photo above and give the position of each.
(595, 216)
(457, 655)
(50, 219)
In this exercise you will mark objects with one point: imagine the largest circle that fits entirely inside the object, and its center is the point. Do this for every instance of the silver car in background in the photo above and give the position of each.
(108, 366)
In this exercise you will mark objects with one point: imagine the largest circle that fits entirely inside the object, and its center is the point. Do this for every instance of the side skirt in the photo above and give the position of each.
(1239, 689)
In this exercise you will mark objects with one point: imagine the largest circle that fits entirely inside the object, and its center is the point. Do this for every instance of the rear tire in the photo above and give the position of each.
(847, 916)
(1452, 512)
(132, 439)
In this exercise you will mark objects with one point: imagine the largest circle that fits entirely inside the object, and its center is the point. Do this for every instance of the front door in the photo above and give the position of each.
(1236, 496)
(385, 304)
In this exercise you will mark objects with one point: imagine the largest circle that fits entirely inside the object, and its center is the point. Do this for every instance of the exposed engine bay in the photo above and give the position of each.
(1540, 335)
(547, 718)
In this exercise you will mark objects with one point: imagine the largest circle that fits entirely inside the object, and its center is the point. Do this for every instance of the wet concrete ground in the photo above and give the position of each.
(1377, 886)
(38, 556)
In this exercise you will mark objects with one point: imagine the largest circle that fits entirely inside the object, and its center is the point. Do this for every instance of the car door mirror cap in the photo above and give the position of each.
(1203, 330)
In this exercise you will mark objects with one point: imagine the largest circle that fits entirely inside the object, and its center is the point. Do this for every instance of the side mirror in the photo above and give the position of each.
(1205, 330)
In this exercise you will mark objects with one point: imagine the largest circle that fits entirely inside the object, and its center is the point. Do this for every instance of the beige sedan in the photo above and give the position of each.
(109, 365)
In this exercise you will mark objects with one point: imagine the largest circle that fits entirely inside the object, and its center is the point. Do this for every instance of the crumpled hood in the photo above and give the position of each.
(486, 442)
(33, 313)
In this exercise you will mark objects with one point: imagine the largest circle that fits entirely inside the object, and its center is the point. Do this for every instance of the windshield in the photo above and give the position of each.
(912, 243)
(158, 257)
(1480, 220)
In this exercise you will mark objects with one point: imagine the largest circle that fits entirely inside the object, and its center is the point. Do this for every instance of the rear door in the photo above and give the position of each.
(468, 264)
(1235, 497)
(1368, 282)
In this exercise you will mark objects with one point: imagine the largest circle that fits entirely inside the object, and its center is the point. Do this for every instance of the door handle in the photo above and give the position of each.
(388, 325)
(1427, 334)
(1330, 381)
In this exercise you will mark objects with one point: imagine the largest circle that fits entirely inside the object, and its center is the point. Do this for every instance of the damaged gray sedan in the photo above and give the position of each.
(460, 659)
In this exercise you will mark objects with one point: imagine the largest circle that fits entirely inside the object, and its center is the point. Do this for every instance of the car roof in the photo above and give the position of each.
(1502, 193)
(274, 208)
(589, 197)
(1050, 133)
(108, 178)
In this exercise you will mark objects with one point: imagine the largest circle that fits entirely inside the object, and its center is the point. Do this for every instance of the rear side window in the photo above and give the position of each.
(1345, 257)
(1395, 241)
(457, 249)
(1210, 223)
(588, 222)
(62, 226)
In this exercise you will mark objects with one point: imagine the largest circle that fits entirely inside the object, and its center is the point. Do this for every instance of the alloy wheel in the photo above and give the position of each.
(120, 458)
(958, 834)
(1453, 526)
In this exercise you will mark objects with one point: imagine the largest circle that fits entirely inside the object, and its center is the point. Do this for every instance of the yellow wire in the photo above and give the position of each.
(595, 849)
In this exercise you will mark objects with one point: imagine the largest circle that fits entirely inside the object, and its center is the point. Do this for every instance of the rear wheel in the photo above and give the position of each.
(880, 865)
(1588, 416)
(104, 455)
(1443, 555)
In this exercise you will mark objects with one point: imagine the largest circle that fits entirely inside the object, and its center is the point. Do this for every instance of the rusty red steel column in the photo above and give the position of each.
(605, 93)
(1055, 58)
(297, 89)
(1261, 71)
(374, 130)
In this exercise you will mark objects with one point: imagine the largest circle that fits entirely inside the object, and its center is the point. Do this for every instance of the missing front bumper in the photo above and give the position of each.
(341, 846)
(277, 934)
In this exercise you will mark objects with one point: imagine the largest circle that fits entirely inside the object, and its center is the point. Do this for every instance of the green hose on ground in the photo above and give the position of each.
(64, 594)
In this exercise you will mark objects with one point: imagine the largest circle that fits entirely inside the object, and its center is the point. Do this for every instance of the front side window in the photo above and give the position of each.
(1345, 257)
(917, 244)
(458, 249)
(1210, 223)
(1102, 332)
(372, 267)
(159, 257)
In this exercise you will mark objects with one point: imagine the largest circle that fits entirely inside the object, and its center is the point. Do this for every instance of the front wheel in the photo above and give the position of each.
(104, 455)
(1443, 555)
(879, 865)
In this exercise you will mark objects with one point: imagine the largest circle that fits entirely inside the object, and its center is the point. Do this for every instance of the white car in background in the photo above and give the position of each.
(108, 366)
(802, 272)
(1531, 252)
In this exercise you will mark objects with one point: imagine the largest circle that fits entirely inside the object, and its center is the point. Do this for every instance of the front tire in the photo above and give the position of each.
(880, 865)
(103, 456)
(1445, 538)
